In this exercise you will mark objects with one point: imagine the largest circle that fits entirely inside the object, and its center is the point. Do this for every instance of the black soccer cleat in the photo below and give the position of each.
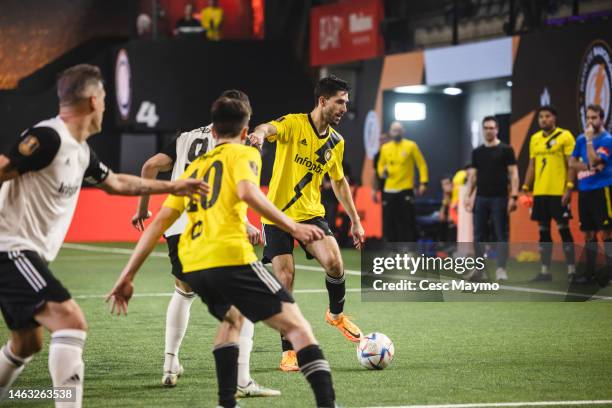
(542, 277)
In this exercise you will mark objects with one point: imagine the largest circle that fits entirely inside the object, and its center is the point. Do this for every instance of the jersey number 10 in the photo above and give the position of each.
(215, 186)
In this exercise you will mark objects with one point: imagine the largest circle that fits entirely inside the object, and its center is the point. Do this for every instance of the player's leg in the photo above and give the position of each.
(499, 219)
(278, 249)
(284, 269)
(545, 247)
(480, 221)
(327, 253)
(590, 205)
(177, 320)
(605, 278)
(313, 364)
(225, 352)
(568, 246)
(16, 354)
(67, 325)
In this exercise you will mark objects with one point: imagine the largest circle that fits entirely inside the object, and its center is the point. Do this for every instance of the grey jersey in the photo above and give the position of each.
(38, 205)
(185, 148)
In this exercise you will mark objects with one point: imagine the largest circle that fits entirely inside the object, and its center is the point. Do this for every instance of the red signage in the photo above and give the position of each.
(345, 31)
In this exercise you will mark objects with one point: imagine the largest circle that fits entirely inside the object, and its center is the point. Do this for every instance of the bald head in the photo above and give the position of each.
(396, 130)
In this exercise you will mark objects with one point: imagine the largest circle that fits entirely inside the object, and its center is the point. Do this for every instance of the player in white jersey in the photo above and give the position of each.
(41, 178)
(176, 156)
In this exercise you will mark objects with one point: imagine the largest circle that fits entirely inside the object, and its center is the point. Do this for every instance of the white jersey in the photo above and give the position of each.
(184, 149)
(38, 205)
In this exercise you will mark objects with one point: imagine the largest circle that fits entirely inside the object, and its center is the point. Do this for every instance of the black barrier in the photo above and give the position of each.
(416, 272)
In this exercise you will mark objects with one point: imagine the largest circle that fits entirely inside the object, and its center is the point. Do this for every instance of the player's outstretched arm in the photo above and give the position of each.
(121, 293)
(159, 163)
(261, 133)
(126, 184)
(342, 190)
(250, 193)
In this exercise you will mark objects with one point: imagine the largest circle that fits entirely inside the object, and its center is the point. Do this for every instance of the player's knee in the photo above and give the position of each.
(333, 266)
(71, 315)
(27, 346)
(545, 235)
(566, 234)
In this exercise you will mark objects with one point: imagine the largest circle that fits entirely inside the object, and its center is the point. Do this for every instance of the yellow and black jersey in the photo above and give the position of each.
(216, 233)
(396, 164)
(550, 153)
(303, 157)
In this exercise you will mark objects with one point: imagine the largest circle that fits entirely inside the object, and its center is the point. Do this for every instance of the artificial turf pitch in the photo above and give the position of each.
(446, 353)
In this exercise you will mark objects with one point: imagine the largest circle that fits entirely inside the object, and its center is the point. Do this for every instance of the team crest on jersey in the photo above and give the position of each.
(328, 155)
(28, 145)
(595, 81)
(254, 167)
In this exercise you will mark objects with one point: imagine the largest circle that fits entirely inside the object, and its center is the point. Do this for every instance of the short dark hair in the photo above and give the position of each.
(229, 116)
(490, 119)
(597, 109)
(239, 95)
(73, 82)
(330, 86)
(548, 108)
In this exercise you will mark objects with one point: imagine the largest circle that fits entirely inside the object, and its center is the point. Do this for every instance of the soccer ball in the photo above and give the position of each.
(375, 351)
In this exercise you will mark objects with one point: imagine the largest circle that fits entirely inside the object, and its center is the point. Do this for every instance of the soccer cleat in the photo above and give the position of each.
(289, 361)
(542, 277)
(169, 379)
(501, 274)
(345, 325)
(255, 390)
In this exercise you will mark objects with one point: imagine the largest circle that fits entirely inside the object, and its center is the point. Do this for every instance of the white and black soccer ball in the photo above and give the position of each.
(375, 351)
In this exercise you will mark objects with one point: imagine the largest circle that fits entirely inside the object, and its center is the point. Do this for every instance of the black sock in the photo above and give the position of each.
(286, 344)
(608, 252)
(568, 245)
(545, 246)
(226, 362)
(336, 290)
(591, 248)
(316, 370)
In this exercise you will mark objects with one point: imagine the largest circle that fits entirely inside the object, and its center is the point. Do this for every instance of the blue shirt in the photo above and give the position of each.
(593, 179)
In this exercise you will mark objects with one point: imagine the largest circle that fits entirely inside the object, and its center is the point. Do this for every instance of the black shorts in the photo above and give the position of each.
(26, 285)
(278, 242)
(549, 207)
(251, 288)
(177, 268)
(595, 208)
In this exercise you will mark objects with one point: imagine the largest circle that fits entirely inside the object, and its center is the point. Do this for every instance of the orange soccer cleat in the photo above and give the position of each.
(289, 361)
(345, 325)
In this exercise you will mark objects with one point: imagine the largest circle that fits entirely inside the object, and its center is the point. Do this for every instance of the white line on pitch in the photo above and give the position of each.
(508, 404)
(157, 254)
(168, 294)
(125, 251)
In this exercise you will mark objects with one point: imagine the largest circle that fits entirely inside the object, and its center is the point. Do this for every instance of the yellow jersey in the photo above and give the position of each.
(396, 162)
(211, 18)
(550, 155)
(303, 157)
(216, 233)
(459, 179)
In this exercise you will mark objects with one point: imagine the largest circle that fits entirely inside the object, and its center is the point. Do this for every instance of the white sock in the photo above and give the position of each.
(66, 363)
(177, 319)
(545, 270)
(11, 366)
(245, 345)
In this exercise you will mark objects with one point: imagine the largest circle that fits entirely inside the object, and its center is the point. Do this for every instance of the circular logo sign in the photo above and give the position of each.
(595, 81)
(371, 134)
(123, 86)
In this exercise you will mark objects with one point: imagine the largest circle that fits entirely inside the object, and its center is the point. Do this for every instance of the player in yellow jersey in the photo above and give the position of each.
(219, 262)
(396, 164)
(551, 180)
(307, 148)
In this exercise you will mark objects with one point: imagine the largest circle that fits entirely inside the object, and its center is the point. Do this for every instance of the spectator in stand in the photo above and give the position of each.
(188, 25)
(212, 19)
